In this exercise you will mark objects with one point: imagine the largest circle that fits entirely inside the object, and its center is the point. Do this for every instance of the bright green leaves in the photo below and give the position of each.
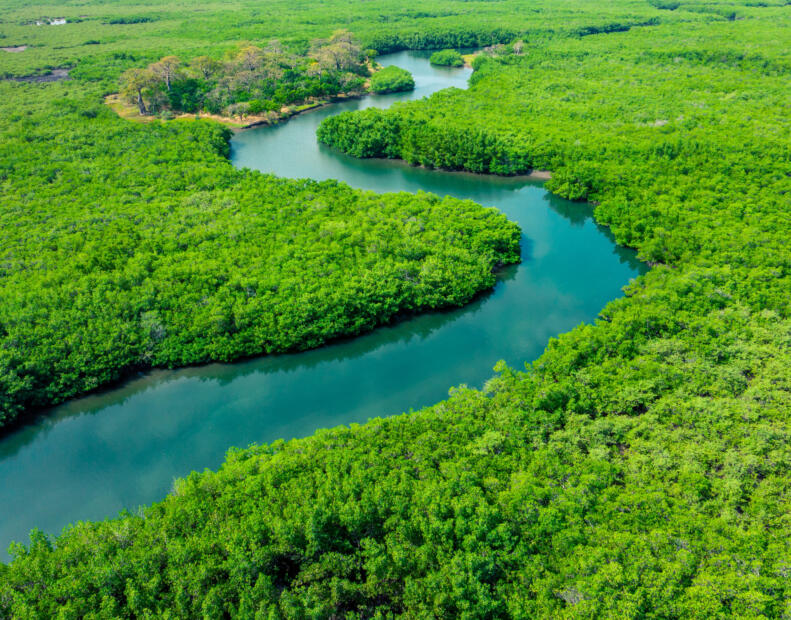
(447, 58)
(171, 257)
(392, 79)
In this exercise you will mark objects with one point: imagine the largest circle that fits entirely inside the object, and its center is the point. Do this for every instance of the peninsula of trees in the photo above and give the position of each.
(253, 80)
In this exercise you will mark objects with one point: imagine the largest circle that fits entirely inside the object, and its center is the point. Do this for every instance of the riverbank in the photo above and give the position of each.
(130, 112)
(468, 58)
(185, 419)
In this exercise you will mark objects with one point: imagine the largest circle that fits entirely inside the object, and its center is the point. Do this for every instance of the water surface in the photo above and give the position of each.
(121, 448)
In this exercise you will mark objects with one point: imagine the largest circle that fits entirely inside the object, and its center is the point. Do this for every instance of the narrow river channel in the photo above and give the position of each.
(122, 448)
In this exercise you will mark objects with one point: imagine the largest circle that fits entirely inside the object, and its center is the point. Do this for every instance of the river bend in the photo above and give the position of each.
(122, 448)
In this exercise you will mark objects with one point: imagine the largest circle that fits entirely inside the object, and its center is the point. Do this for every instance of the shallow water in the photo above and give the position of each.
(121, 448)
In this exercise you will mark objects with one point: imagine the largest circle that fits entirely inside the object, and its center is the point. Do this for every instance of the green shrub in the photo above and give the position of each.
(447, 58)
(392, 79)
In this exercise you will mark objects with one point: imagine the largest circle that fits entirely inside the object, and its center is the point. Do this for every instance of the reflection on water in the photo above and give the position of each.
(90, 458)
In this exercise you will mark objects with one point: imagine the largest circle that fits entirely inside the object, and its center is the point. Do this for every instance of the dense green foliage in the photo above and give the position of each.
(250, 80)
(369, 133)
(104, 37)
(392, 79)
(128, 246)
(641, 468)
(446, 58)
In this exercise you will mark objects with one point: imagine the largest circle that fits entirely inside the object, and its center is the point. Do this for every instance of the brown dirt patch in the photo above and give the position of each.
(56, 75)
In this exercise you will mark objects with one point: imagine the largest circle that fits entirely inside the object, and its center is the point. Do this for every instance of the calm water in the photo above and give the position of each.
(92, 457)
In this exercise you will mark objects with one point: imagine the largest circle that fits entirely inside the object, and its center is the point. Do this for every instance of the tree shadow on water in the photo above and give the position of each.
(402, 329)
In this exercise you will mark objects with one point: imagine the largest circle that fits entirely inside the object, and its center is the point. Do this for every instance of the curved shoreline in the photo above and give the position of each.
(405, 365)
(128, 112)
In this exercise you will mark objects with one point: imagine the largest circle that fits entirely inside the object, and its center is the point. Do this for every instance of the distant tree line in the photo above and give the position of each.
(385, 41)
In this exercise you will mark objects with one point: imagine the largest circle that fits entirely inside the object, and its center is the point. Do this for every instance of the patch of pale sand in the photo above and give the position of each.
(130, 112)
(15, 49)
(541, 175)
(468, 58)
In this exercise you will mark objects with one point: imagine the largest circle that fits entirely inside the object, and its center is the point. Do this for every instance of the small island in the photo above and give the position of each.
(447, 58)
(391, 79)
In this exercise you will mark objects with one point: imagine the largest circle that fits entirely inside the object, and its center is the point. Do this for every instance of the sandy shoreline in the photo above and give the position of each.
(130, 112)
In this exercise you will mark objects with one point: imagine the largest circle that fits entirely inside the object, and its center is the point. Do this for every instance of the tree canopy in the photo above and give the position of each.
(129, 246)
(392, 79)
(250, 80)
(640, 468)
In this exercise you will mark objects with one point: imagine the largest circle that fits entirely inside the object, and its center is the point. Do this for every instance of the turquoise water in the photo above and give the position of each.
(122, 448)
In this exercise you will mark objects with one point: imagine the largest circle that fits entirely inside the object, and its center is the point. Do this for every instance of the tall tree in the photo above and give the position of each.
(166, 69)
(133, 82)
(250, 57)
(206, 66)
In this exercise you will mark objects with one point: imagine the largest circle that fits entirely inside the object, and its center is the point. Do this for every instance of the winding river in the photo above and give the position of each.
(122, 448)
